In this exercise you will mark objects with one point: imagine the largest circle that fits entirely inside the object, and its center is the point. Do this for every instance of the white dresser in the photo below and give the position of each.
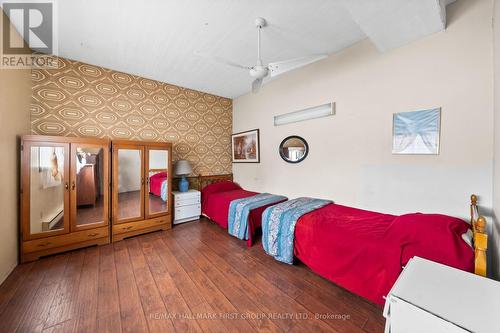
(187, 206)
(430, 297)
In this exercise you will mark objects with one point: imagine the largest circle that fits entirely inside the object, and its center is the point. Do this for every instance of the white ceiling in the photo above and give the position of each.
(392, 23)
(158, 39)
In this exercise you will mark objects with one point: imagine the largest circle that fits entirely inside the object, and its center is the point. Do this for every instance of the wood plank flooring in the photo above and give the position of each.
(129, 204)
(194, 278)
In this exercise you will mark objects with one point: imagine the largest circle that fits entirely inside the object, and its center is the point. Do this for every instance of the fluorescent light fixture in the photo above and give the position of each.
(320, 111)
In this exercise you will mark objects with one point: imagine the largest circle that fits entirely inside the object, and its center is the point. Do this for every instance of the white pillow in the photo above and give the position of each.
(467, 237)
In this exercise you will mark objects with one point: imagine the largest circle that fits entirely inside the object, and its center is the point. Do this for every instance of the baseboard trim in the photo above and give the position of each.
(7, 273)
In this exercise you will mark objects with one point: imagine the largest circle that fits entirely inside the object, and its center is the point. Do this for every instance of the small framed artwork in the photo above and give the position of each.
(416, 132)
(246, 147)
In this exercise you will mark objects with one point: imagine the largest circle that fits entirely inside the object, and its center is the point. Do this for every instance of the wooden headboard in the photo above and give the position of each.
(200, 182)
(203, 181)
(479, 238)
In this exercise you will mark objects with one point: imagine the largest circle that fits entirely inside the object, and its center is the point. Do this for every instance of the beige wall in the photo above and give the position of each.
(495, 243)
(15, 95)
(84, 100)
(350, 158)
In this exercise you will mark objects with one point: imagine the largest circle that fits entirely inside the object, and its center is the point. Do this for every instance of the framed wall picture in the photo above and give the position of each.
(246, 147)
(416, 132)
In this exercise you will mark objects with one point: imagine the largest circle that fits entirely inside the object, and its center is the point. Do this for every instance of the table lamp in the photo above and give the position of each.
(183, 168)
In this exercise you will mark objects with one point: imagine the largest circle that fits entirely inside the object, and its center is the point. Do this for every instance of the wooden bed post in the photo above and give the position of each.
(480, 237)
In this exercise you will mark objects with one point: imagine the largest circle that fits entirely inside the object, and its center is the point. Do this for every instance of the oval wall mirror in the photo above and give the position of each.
(293, 149)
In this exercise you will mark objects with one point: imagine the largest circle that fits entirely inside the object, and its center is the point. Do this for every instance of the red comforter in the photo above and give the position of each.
(364, 251)
(215, 201)
(155, 183)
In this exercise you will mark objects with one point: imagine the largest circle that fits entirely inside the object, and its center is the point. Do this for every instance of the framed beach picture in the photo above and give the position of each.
(417, 132)
(245, 147)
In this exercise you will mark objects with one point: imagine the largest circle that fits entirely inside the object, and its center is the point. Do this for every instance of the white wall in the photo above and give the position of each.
(46, 203)
(350, 158)
(495, 243)
(158, 159)
(15, 97)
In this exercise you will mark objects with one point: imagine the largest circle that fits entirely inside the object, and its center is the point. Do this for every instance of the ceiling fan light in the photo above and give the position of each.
(259, 72)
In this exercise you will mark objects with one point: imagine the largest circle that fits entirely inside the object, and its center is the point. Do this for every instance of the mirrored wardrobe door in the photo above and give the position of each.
(45, 186)
(89, 185)
(158, 181)
(128, 183)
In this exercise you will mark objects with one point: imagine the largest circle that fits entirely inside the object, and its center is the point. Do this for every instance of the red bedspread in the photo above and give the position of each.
(155, 183)
(364, 251)
(216, 201)
(216, 205)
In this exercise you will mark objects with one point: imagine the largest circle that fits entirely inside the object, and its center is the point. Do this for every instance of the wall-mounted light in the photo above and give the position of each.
(319, 111)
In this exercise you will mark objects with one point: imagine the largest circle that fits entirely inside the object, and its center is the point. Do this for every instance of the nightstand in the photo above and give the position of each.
(431, 297)
(187, 206)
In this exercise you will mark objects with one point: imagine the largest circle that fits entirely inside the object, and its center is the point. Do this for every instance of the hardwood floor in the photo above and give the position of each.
(156, 204)
(190, 279)
(89, 214)
(129, 204)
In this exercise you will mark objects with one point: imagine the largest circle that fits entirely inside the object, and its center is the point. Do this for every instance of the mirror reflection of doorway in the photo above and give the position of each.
(293, 149)
(129, 183)
(47, 188)
(89, 185)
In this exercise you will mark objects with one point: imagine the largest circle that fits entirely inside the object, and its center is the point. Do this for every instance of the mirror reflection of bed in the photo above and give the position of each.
(89, 185)
(158, 181)
(157, 190)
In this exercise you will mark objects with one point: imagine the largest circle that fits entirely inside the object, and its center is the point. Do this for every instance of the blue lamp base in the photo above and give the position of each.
(183, 184)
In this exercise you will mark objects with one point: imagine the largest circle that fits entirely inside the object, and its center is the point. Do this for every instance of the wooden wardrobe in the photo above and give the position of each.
(141, 187)
(64, 194)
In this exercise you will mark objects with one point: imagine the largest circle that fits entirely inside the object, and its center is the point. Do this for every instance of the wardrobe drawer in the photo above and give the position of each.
(138, 225)
(193, 200)
(63, 240)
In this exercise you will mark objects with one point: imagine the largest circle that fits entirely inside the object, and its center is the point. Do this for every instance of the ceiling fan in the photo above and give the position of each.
(259, 71)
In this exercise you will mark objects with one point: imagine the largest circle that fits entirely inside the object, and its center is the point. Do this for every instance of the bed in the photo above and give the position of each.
(217, 193)
(364, 251)
(158, 182)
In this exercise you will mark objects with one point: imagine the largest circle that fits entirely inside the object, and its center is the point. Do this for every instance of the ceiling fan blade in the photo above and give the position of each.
(221, 60)
(256, 84)
(280, 67)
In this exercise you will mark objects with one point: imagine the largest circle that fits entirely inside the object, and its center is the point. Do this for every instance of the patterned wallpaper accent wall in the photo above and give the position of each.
(89, 101)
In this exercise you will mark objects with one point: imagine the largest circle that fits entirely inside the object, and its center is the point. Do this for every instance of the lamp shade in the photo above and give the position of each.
(182, 167)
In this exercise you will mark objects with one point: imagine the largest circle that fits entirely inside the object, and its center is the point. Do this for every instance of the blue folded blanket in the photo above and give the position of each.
(278, 225)
(239, 209)
(164, 192)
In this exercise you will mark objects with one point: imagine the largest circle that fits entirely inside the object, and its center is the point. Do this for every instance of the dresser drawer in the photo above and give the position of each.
(187, 201)
(187, 211)
(63, 240)
(408, 318)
